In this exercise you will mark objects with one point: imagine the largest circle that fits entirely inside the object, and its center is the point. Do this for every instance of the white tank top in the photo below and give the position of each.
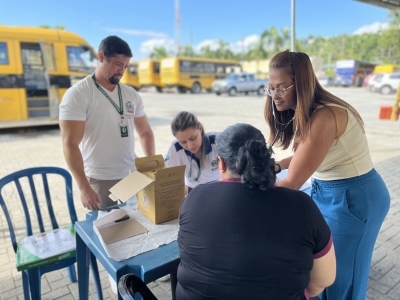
(349, 154)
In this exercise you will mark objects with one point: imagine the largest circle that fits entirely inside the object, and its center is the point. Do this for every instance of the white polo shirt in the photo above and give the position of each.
(194, 174)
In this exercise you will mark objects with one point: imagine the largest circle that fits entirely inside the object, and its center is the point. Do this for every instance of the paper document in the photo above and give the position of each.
(155, 235)
(283, 174)
(46, 247)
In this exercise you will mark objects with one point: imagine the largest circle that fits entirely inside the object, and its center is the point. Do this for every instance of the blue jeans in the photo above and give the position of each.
(354, 209)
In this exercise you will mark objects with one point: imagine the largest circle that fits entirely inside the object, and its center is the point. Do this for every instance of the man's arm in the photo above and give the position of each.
(72, 134)
(146, 135)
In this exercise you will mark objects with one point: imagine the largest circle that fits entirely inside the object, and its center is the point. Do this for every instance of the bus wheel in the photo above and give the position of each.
(182, 89)
(159, 89)
(232, 92)
(196, 88)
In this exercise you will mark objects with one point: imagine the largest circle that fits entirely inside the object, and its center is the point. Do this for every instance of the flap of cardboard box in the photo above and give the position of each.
(121, 231)
(149, 163)
(173, 174)
(130, 185)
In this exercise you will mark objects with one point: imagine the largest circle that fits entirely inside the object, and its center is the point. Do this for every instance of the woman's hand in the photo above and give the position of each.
(284, 163)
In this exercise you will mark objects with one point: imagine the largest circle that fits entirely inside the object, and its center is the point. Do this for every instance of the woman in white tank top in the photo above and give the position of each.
(329, 143)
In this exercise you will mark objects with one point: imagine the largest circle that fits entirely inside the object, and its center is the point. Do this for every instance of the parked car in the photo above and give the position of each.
(368, 79)
(325, 81)
(239, 83)
(384, 83)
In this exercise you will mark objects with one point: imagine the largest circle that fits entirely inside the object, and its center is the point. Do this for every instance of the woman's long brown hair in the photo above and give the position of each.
(309, 96)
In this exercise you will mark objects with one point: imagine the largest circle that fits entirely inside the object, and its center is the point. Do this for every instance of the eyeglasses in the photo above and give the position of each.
(279, 92)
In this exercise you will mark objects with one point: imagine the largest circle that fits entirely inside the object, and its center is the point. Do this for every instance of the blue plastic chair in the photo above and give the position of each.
(31, 277)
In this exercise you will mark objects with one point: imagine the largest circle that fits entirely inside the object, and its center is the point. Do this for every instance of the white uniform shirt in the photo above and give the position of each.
(106, 155)
(194, 174)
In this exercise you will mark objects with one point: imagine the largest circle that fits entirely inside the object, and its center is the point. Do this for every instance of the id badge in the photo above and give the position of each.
(124, 130)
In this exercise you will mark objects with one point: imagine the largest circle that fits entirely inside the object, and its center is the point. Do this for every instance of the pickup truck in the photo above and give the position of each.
(239, 83)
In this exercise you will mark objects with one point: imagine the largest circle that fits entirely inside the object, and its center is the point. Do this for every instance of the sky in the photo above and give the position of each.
(148, 23)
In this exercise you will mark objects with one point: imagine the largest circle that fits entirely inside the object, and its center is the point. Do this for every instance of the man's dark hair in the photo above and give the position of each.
(113, 45)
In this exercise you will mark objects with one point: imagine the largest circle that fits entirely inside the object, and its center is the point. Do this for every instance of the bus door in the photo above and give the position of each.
(35, 80)
(12, 91)
(52, 90)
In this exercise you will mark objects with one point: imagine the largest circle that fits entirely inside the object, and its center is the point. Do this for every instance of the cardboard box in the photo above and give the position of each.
(117, 226)
(160, 190)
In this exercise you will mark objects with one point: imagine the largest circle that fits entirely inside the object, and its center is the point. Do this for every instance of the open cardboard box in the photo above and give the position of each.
(160, 190)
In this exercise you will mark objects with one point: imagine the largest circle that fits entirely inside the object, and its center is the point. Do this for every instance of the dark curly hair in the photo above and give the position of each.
(243, 149)
(114, 45)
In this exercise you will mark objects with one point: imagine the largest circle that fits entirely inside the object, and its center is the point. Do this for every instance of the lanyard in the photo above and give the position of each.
(190, 171)
(119, 109)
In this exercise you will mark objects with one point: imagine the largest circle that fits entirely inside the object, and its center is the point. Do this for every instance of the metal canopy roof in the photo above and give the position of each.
(390, 4)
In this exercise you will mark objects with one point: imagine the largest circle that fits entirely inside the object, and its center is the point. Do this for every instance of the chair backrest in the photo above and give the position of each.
(42, 172)
(130, 284)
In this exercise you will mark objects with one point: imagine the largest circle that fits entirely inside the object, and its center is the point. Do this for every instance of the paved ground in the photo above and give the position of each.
(42, 147)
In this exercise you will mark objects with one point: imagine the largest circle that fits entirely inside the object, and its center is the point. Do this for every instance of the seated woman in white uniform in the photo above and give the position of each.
(194, 148)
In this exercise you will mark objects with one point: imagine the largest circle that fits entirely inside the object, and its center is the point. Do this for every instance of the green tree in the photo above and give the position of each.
(159, 53)
(257, 51)
(186, 51)
(207, 52)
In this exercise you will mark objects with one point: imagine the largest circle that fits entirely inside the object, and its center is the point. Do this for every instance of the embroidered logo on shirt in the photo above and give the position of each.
(130, 107)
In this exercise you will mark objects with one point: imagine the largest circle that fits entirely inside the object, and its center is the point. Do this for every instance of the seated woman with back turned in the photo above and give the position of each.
(242, 237)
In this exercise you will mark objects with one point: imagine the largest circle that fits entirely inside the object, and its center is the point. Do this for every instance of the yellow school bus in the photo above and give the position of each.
(386, 68)
(194, 74)
(131, 76)
(149, 74)
(37, 66)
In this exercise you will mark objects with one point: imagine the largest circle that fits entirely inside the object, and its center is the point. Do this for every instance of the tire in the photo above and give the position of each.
(217, 93)
(232, 92)
(182, 90)
(385, 90)
(196, 88)
(159, 89)
(260, 91)
(246, 93)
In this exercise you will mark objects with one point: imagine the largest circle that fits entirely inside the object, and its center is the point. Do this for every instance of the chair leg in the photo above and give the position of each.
(25, 285)
(34, 283)
(96, 277)
(72, 273)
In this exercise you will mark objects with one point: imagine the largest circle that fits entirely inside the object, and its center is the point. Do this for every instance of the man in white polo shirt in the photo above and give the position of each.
(100, 114)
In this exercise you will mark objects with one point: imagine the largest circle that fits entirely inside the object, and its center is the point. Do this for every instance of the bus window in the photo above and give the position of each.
(81, 59)
(197, 67)
(220, 69)
(3, 54)
(133, 69)
(209, 68)
(156, 67)
(185, 66)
